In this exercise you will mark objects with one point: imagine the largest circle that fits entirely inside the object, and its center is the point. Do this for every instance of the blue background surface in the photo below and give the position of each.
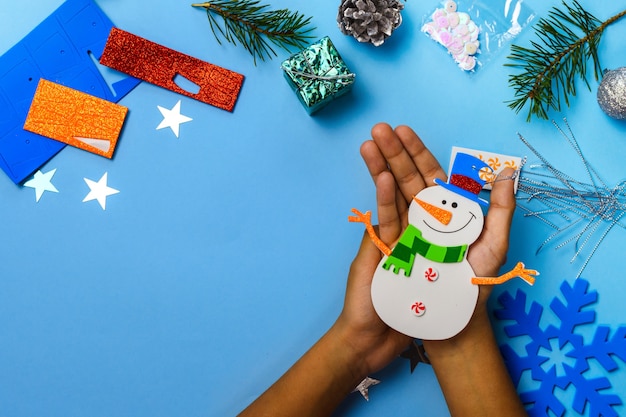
(224, 256)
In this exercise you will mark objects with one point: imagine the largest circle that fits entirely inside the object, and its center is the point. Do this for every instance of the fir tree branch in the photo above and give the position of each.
(255, 28)
(552, 65)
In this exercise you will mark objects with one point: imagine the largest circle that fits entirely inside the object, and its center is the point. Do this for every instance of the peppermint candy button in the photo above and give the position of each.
(418, 308)
(431, 274)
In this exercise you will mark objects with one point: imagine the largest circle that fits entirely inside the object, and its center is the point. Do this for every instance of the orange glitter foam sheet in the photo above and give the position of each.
(73, 117)
(159, 65)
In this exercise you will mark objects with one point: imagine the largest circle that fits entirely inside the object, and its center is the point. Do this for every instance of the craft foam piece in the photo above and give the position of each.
(159, 65)
(364, 386)
(592, 394)
(425, 287)
(42, 182)
(402, 278)
(58, 49)
(416, 354)
(99, 190)
(497, 163)
(172, 118)
(75, 118)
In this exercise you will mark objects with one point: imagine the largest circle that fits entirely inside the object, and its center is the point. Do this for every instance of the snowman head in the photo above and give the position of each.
(449, 214)
(445, 217)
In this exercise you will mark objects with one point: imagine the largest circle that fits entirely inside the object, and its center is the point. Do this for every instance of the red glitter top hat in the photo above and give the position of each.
(465, 177)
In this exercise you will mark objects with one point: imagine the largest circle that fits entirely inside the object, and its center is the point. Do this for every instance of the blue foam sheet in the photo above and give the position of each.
(60, 49)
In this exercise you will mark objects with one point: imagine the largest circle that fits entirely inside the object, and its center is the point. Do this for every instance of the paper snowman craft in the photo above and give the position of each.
(424, 287)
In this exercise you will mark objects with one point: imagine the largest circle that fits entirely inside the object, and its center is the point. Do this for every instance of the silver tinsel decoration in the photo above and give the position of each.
(369, 20)
(612, 93)
(582, 212)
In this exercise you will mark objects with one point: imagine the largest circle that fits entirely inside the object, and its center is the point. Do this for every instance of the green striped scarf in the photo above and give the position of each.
(411, 243)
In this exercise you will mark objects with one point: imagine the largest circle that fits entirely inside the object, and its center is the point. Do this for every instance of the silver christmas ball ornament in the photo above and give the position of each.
(612, 93)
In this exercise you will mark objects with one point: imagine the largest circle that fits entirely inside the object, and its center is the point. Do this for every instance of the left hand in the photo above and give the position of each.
(372, 342)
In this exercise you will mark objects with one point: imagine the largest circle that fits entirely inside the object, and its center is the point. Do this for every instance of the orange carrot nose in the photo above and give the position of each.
(443, 215)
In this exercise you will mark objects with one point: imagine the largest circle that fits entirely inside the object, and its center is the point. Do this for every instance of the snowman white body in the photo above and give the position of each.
(437, 299)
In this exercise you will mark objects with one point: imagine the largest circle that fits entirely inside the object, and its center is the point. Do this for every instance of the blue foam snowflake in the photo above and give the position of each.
(574, 368)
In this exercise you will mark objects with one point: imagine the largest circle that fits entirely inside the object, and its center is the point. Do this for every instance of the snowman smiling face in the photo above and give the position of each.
(446, 218)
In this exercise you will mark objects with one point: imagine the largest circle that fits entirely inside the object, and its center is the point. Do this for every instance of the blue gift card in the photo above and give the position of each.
(61, 49)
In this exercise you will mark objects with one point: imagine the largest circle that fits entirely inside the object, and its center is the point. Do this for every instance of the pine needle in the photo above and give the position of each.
(256, 28)
(568, 39)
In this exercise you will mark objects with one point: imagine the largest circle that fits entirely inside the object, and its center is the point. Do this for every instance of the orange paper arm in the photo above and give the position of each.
(520, 271)
(366, 219)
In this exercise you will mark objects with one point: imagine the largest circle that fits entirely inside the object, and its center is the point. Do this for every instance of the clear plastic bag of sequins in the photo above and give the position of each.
(474, 32)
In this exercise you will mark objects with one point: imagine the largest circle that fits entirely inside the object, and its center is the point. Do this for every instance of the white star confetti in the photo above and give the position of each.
(41, 182)
(99, 191)
(172, 118)
(363, 387)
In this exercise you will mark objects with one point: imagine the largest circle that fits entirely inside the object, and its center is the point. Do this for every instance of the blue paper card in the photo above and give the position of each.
(61, 49)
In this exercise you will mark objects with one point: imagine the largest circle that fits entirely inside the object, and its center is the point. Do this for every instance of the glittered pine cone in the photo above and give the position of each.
(369, 20)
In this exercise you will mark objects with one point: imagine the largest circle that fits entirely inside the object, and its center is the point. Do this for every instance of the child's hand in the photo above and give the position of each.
(401, 167)
(360, 343)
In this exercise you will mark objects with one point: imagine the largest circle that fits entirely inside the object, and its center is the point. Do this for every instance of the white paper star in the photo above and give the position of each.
(363, 387)
(172, 118)
(41, 182)
(99, 191)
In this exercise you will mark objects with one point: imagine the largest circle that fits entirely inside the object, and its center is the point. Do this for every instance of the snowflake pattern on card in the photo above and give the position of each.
(558, 357)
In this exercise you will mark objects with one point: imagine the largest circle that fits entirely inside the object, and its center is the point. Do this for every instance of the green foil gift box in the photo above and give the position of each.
(318, 75)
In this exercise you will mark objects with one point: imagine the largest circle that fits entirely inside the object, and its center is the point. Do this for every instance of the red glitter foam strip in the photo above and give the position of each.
(465, 183)
(159, 65)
